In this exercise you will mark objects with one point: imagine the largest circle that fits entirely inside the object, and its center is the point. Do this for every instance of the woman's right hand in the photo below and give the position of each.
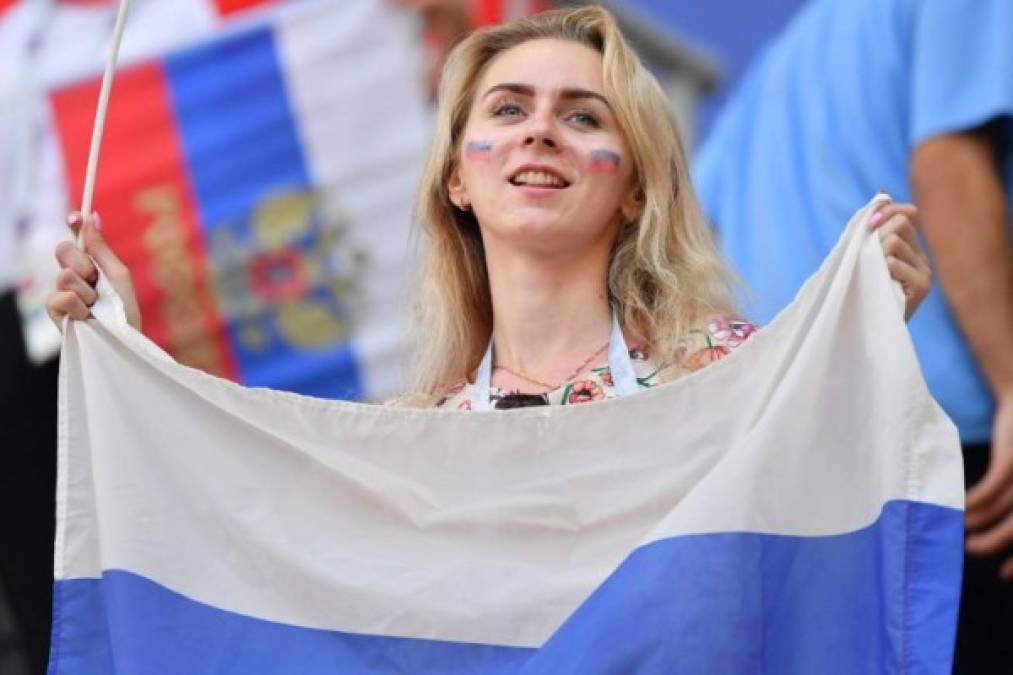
(75, 284)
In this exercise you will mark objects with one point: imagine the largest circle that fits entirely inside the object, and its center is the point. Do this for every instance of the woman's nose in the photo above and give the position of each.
(541, 138)
(541, 133)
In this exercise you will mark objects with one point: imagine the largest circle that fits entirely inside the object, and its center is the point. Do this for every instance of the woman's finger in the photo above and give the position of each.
(903, 226)
(892, 208)
(74, 221)
(993, 540)
(895, 245)
(95, 246)
(915, 282)
(984, 513)
(66, 303)
(998, 476)
(68, 280)
(72, 257)
(889, 210)
(113, 269)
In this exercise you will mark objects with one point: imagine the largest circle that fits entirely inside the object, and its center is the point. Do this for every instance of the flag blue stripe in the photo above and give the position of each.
(717, 603)
(242, 148)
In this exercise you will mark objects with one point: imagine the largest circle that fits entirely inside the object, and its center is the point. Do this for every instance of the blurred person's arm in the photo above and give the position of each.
(965, 219)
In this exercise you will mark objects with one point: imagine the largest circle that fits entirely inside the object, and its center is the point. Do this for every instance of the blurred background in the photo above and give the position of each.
(257, 176)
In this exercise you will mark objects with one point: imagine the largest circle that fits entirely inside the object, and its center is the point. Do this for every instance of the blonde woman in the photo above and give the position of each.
(566, 257)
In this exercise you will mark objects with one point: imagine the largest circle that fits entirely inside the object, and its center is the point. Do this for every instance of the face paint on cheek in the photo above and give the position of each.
(605, 161)
(478, 151)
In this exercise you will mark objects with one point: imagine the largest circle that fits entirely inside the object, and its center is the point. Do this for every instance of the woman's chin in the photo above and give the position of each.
(544, 235)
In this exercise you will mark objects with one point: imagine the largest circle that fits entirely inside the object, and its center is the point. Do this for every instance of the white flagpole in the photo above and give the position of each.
(100, 112)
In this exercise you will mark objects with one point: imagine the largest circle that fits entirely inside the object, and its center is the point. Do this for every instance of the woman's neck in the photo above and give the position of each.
(549, 316)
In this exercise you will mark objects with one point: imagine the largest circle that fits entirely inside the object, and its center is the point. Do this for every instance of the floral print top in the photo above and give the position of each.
(721, 336)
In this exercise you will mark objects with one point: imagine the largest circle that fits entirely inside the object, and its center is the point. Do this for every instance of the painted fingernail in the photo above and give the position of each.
(876, 219)
(96, 219)
(73, 217)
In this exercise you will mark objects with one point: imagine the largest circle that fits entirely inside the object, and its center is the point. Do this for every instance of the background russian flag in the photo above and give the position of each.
(259, 186)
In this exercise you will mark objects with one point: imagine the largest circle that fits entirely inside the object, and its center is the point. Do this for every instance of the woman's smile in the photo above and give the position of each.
(539, 175)
(537, 181)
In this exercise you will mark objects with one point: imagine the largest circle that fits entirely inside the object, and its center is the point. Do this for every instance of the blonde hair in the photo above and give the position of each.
(665, 275)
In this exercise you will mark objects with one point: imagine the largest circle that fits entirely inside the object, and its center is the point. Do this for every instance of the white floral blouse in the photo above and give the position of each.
(722, 335)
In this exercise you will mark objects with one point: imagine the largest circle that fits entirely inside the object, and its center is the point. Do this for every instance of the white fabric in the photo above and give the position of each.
(453, 525)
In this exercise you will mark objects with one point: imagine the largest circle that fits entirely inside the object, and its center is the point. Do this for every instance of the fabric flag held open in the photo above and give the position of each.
(794, 508)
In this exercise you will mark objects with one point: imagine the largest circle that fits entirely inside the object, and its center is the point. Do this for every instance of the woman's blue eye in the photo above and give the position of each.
(508, 110)
(584, 118)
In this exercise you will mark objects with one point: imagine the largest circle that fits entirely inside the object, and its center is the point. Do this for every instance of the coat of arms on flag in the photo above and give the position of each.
(259, 185)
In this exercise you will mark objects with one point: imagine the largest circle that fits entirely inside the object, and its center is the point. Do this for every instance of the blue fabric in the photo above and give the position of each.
(830, 114)
(728, 603)
(242, 146)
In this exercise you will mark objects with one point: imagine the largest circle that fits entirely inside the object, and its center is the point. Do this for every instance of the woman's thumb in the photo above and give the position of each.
(95, 245)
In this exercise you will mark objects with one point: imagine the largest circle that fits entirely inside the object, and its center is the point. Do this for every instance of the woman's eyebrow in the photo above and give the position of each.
(583, 93)
(528, 90)
(522, 89)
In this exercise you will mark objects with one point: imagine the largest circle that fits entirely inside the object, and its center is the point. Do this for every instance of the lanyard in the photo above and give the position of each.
(623, 376)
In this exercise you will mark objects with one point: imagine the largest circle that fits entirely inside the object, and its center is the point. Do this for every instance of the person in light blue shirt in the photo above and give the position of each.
(914, 97)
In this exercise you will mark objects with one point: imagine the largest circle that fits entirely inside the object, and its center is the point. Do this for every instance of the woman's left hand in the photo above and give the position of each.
(905, 258)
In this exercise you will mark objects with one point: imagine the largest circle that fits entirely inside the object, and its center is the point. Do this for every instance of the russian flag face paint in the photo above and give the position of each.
(605, 161)
(478, 151)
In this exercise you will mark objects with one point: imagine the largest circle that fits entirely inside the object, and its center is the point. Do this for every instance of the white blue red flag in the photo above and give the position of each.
(795, 508)
(46, 44)
(258, 183)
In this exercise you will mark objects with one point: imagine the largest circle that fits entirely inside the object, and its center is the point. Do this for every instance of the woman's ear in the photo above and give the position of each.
(632, 204)
(457, 190)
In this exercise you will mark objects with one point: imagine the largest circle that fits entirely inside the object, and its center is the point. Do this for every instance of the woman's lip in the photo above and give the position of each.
(538, 191)
(538, 168)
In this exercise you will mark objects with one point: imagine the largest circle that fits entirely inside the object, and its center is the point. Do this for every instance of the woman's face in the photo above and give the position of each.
(542, 162)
